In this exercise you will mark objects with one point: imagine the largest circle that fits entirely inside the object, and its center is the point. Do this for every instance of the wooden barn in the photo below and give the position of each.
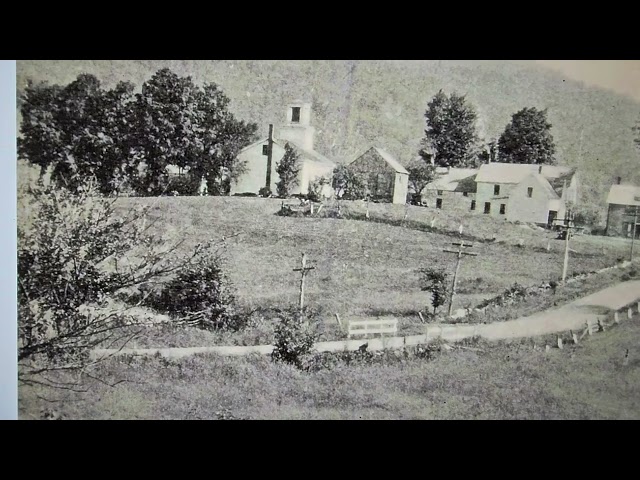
(384, 177)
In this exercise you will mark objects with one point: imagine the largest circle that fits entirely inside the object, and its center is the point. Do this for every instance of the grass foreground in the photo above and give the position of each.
(504, 380)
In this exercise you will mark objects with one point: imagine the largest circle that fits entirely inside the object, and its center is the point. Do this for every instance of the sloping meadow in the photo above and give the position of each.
(365, 267)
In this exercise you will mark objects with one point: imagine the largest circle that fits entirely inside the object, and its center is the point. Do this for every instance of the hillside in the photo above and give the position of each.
(364, 268)
(357, 103)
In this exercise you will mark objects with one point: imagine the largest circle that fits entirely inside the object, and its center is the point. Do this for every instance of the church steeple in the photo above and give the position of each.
(297, 126)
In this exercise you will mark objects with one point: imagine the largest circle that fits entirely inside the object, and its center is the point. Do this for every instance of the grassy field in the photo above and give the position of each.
(367, 268)
(508, 380)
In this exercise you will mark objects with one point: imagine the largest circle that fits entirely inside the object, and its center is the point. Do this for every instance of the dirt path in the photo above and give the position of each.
(571, 316)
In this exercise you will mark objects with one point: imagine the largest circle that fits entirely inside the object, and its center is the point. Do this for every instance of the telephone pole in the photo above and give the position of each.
(269, 157)
(633, 213)
(568, 227)
(303, 271)
(459, 253)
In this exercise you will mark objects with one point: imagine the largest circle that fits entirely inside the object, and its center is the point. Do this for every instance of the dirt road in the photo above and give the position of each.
(572, 316)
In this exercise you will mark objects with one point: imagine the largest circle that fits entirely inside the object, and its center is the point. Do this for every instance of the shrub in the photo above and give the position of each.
(315, 188)
(287, 169)
(74, 254)
(294, 339)
(200, 295)
(347, 184)
(264, 192)
(184, 185)
(435, 281)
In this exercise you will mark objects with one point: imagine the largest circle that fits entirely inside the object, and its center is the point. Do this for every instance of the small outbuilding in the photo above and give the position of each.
(622, 200)
(384, 178)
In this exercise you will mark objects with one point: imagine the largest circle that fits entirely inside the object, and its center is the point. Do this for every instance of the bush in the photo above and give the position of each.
(294, 339)
(435, 281)
(200, 295)
(246, 194)
(265, 192)
(74, 255)
(315, 189)
(288, 169)
(184, 185)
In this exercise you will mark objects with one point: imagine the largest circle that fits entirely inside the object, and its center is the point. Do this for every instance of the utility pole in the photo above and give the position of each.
(633, 213)
(567, 228)
(303, 271)
(269, 157)
(459, 253)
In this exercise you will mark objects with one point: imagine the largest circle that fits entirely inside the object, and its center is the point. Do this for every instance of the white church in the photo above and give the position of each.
(296, 131)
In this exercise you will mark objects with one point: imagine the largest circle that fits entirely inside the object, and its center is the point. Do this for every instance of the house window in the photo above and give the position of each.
(503, 208)
(496, 189)
(473, 204)
(439, 192)
(265, 149)
(530, 192)
(295, 114)
(487, 207)
(438, 203)
(465, 194)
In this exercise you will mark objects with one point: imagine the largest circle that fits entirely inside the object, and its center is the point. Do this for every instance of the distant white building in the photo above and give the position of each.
(298, 133)
(524, 192)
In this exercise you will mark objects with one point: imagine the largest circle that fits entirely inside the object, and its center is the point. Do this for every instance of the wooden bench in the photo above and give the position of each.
(366, 327)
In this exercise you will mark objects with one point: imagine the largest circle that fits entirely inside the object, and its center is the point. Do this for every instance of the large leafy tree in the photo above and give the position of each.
(181, 124)
(83, 130)
(450, 138)
(223, 136)
(77, 131)
(166, 124)
(527, 138)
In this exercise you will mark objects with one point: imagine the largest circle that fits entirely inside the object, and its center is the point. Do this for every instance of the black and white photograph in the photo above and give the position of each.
(328, 239)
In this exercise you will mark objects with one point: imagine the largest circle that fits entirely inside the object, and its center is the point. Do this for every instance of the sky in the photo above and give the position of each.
(621, 76)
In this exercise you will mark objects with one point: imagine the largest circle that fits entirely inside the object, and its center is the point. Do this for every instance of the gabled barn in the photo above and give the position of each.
(384, 177)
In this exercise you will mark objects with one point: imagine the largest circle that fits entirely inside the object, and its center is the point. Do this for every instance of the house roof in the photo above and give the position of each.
(547, 186)
(516, 172)
(558, 182)
(454, 180)
(387, 157)
(308, 154)
(624, 195)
